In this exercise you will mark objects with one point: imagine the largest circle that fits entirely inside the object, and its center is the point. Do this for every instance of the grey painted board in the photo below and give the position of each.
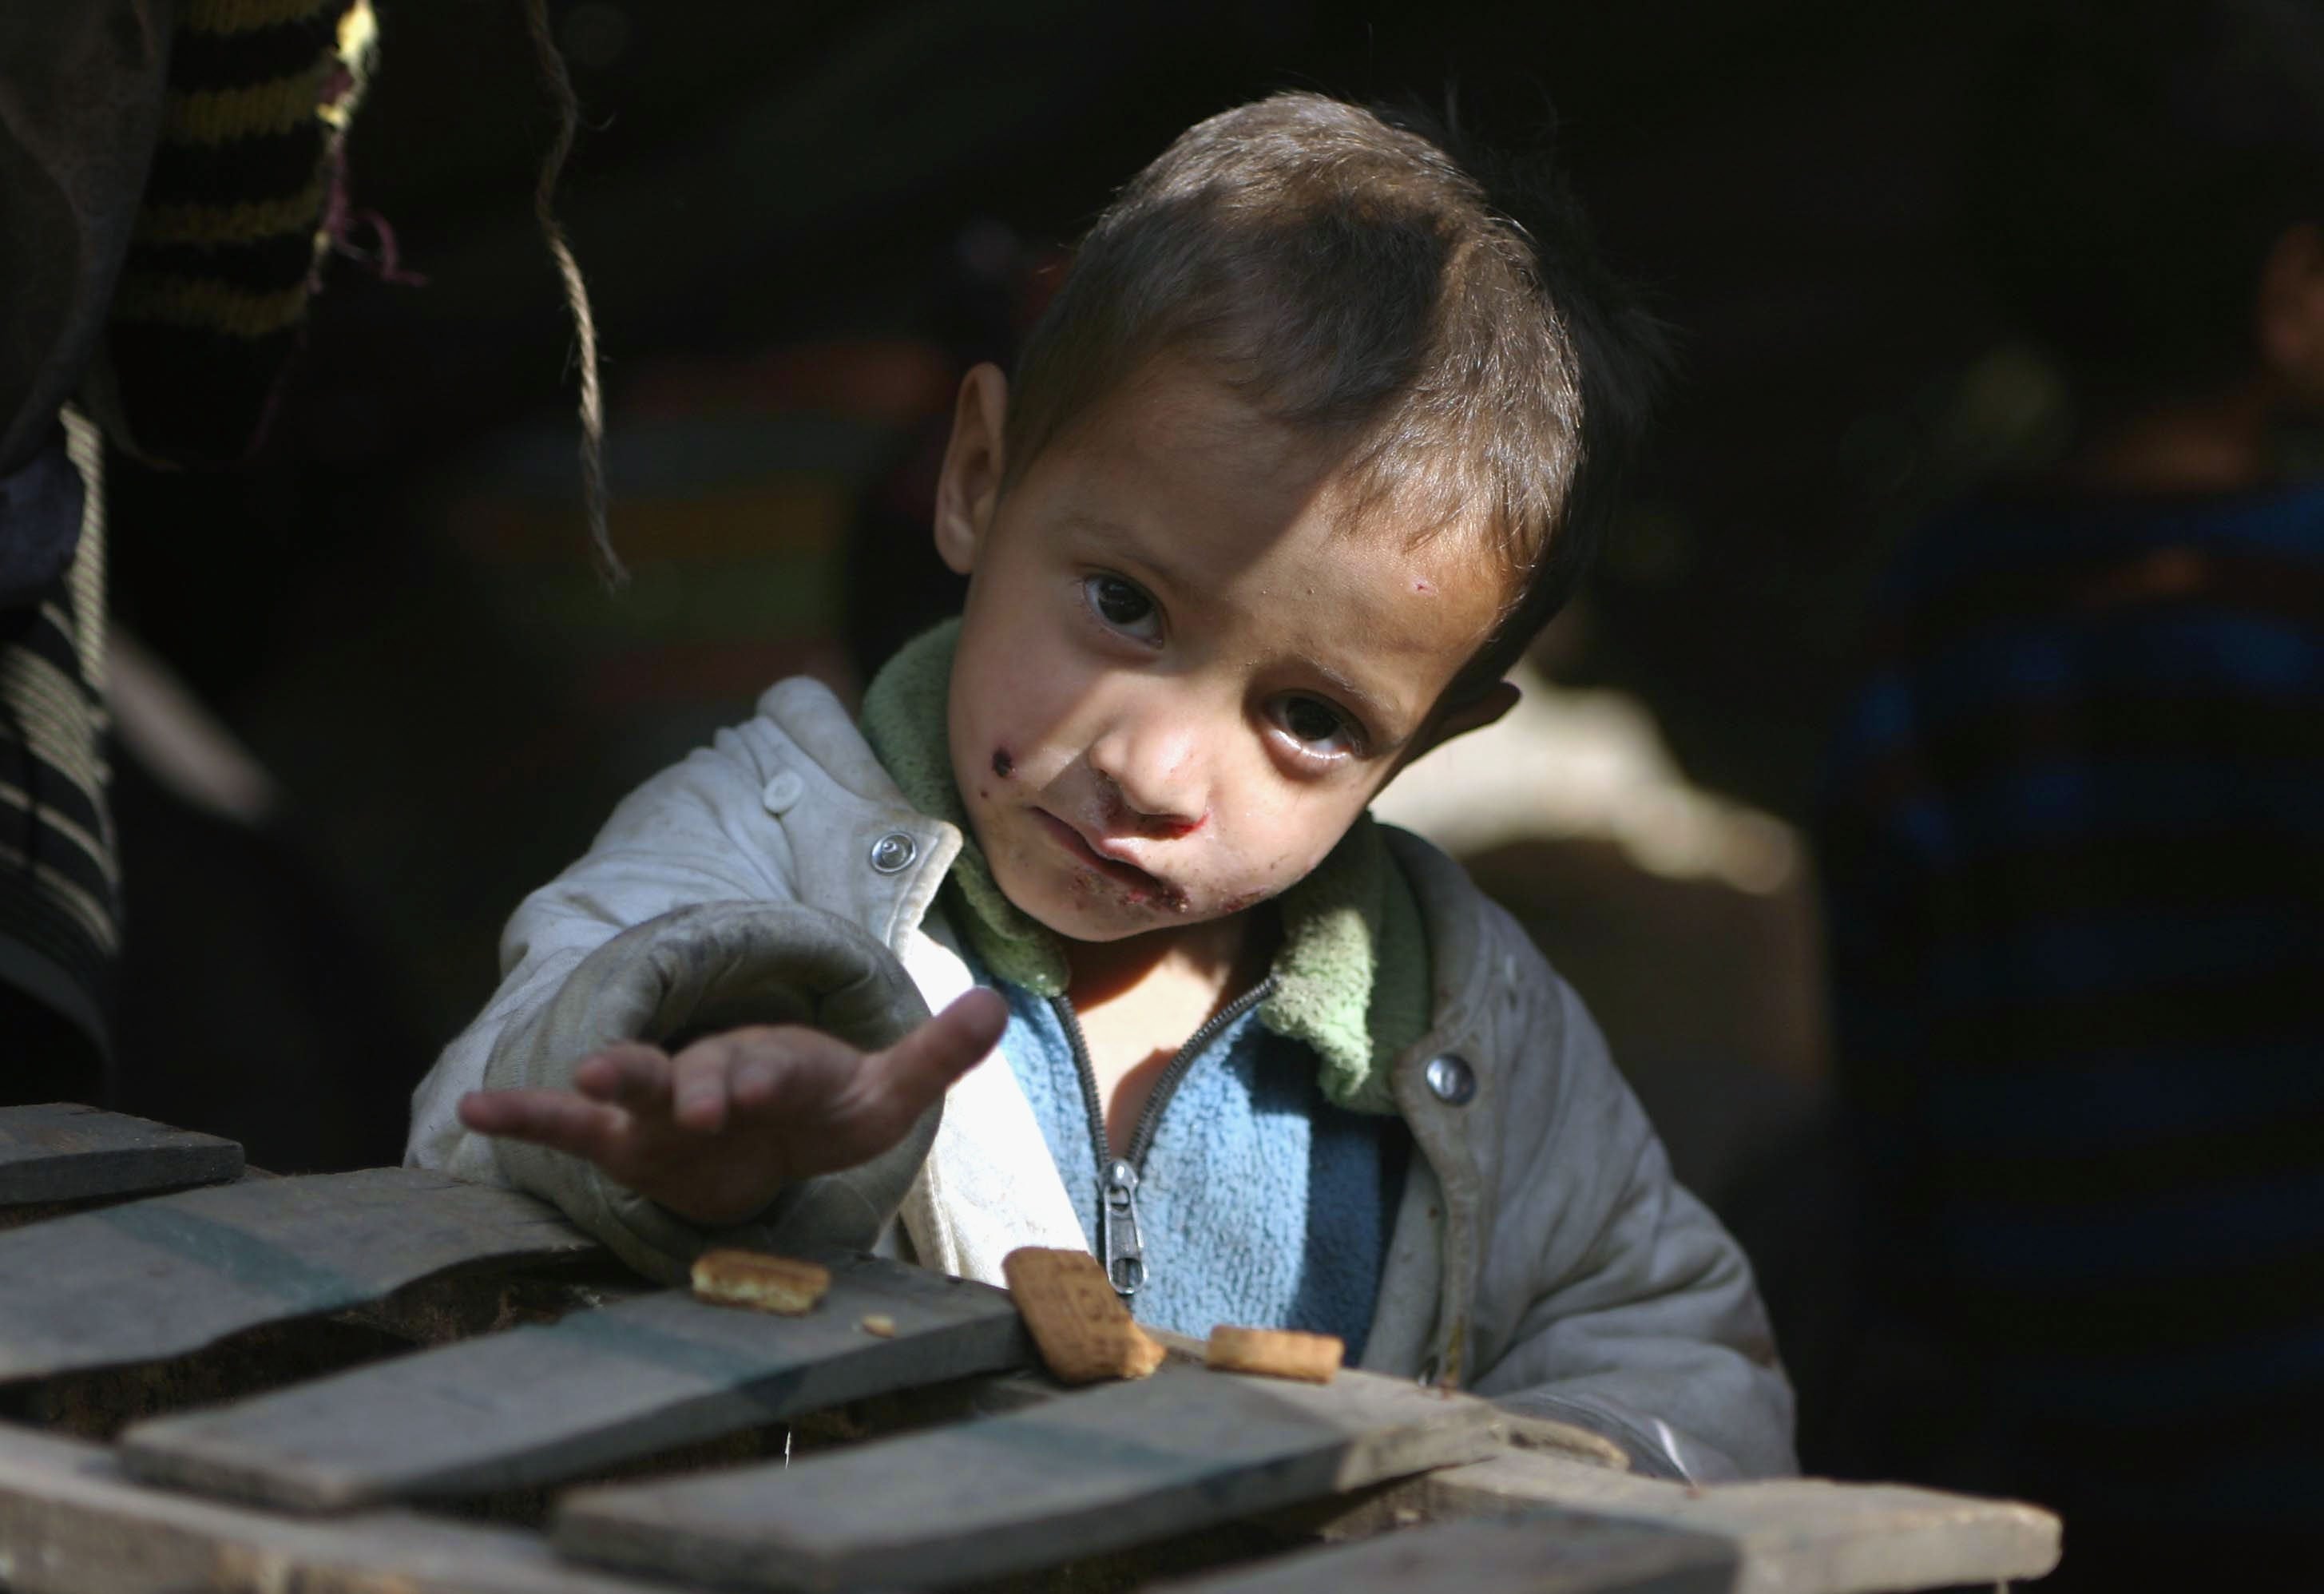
(540, 1405)
(1081, 1475)
(1793, 1535)
(1543, 1554)
(70, 1524)
(171, 1274)
(61, 1151)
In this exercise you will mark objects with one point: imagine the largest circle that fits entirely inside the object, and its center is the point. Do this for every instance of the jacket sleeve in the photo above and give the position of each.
(674, 922)
(1610, 1296)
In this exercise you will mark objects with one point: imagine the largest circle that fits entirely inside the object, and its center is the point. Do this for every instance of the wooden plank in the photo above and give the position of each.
(1543, 1554)
(71, 1523)
(165, 1276)
(1080, 1475)
(545, 1403)
(61, 1151)
(1793, 1535)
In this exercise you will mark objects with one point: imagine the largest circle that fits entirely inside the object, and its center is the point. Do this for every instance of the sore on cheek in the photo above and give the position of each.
(1002, 762)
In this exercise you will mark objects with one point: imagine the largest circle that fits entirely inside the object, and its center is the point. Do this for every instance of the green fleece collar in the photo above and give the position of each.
(1352, 976)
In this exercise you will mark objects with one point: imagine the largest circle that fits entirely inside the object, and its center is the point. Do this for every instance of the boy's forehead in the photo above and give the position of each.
(1177, 433)
(1175, 450)
(1176, 412)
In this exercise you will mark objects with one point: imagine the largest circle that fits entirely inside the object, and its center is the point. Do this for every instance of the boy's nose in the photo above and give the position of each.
(1156, 776)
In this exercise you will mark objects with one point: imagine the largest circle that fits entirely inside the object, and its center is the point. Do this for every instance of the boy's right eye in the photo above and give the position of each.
(1124, 605)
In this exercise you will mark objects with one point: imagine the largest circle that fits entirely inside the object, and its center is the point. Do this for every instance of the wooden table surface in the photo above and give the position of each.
(389, 1380)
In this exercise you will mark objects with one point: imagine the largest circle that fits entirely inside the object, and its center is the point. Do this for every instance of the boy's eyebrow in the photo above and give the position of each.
(1082, 520)
(1142, 549)
(1378, 711)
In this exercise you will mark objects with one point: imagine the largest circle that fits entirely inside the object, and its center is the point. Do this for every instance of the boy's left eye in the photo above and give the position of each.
(1318, 726)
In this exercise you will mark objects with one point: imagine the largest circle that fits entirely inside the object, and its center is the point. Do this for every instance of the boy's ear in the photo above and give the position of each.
(969, 488)
(1475, 714)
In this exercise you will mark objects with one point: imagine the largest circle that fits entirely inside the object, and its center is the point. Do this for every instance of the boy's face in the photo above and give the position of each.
(1180, 678)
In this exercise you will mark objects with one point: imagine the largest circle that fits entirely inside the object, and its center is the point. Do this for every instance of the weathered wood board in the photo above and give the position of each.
(1792, 1536)
(1080, 1475)
(170, 1274)
(116, 1311)
(70, 1524)
(544, 1403)
(1545, 1555)
(61, 1151)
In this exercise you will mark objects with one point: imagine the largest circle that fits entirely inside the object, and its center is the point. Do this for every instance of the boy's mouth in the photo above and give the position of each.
(1141, 884)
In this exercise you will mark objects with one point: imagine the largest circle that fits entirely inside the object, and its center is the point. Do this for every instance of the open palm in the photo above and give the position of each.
(716, 1130)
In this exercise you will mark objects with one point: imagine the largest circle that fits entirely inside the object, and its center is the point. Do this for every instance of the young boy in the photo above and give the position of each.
(1309, 444)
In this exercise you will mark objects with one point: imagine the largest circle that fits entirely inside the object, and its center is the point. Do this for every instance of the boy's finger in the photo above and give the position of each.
(698, 1086)
(559, 1119)
(922, 1067)
(634, 1076)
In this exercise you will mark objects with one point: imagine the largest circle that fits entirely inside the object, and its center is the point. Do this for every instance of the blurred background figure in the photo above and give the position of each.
(2076, 838)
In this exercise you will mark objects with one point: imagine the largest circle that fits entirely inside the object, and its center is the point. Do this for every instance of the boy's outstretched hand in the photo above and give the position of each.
(715, 1131)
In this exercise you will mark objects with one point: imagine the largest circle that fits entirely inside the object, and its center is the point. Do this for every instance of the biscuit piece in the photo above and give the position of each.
(1083, 1330)
(1279, 1353)
(754, 1279)
(878, 1324)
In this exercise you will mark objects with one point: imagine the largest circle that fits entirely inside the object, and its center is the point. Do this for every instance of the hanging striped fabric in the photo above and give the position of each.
(59, 918)
(242, 203)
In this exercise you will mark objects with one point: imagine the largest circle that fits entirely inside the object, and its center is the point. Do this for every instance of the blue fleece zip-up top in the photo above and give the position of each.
(1260, 1200)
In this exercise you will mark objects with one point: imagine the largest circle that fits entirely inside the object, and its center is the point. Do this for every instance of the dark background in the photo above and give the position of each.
(801, 222)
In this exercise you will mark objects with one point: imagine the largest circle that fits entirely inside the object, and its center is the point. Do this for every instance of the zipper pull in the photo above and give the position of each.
(1124, 1254)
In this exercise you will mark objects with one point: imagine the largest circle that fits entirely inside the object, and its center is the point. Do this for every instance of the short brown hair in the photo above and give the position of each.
(1345, 273)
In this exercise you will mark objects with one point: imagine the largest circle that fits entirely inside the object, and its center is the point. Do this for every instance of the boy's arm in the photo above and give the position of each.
(669, 845)
(1610, 1296)
(680, 918)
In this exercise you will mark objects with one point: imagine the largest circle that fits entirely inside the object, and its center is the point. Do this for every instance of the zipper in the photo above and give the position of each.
(1118, 1245)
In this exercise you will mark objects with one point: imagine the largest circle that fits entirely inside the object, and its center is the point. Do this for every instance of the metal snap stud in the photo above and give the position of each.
(893, 853)
(1453, 1081)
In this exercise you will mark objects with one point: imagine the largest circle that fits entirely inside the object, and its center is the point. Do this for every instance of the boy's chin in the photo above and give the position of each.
(1096, 922)
(1082, 909)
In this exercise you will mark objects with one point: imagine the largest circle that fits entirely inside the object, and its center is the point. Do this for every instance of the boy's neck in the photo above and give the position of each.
(1227, 954)
(1142, 998)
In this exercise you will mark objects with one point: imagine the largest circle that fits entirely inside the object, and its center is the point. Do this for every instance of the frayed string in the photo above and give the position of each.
(342, 223)
(577, 294)
(386, 260)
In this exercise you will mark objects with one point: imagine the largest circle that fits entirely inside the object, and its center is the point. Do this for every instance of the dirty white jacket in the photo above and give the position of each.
(1542, 1254)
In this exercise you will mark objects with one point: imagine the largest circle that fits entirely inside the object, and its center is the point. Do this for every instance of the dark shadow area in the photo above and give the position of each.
(802, 224)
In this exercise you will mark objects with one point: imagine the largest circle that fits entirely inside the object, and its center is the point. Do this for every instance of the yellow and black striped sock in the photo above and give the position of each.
(236, 218)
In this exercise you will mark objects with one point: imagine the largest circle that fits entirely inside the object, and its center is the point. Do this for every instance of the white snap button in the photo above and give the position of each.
(783, 793)
(892, 854)
(1452, 1080)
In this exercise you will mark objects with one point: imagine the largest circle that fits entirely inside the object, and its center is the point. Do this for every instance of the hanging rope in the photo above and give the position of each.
(577, 294)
